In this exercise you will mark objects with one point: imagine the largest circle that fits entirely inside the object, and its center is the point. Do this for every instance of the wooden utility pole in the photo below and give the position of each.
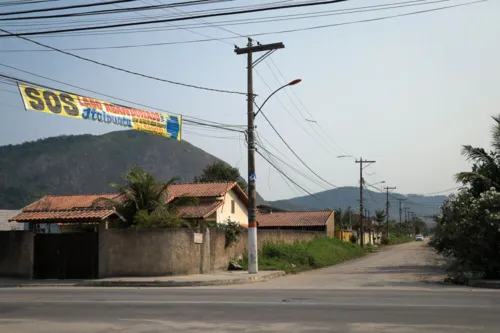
(387, 208)
(361, 181)
(252, 193)
(401, 211)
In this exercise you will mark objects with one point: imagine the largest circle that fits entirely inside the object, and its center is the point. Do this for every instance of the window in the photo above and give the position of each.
(233, 207)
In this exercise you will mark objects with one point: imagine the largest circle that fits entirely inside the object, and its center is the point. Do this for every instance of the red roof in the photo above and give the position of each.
(294, 219)
(65, 202)
(83, 215)
(201, 211)
(204, 190)
(80, 207)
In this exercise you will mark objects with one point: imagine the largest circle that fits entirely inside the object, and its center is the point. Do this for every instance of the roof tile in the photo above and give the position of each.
(63, 215)
(293, 219)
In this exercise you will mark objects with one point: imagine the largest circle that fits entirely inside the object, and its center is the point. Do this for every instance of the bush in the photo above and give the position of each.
(301, 256)
(385, 241)
(468, 230)
(232, 231)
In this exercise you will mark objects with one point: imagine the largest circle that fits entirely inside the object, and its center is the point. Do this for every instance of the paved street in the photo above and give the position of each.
(362, 303)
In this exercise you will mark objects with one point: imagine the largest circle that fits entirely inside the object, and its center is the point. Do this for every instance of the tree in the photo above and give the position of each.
(486, 168)
(142, 201)
(468, 228)
(380, 218)
(220, 171)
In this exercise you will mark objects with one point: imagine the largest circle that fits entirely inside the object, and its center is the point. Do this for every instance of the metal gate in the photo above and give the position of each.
(66, 256)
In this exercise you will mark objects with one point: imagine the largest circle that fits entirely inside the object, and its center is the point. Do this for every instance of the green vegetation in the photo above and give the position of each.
(398, 239)
(220, 171)
(86, 164)
(468, 227)
(142, 202)
(302, 256)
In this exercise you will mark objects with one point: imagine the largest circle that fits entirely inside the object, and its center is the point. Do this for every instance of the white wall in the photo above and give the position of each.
(240, 213)
(5, 225)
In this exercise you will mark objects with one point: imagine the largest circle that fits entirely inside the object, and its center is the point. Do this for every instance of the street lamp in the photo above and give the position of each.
(253, 267)
(344, 156)
(292, 83)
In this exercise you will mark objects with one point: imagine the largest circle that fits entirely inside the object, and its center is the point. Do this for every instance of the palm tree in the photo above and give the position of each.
(486, 169)
(142, 199)
(380, 218)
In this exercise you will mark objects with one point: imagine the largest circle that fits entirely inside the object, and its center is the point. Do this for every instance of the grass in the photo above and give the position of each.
(399, 239)
(302, 256)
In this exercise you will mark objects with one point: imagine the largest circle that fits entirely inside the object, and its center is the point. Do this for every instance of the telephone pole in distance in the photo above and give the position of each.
(401, 211)
(361, 181)
(387, 206)
(252, 206)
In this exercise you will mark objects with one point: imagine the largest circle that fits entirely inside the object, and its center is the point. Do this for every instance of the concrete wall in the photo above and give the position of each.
(224, 212)
(160, 252)
(330, 225)
(343, 235)
(16, 254)
(148, 252)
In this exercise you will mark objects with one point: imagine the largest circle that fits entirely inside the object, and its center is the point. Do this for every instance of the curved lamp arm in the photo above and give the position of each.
(294, 82)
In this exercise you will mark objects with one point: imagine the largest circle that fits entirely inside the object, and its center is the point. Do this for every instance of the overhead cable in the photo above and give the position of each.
(125, 70)
(186, 118)
(85, 5)
(247, 11)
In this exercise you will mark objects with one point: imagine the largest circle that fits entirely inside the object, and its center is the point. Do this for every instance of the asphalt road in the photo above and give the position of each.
(391, 291)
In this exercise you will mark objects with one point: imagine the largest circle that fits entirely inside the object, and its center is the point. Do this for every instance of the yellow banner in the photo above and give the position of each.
(75, 106)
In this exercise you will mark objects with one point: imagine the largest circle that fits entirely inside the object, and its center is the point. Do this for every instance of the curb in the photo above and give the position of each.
(484, 284)
(157, 283)
(172, 283)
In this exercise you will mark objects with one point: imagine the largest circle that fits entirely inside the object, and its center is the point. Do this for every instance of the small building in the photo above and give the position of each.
(310, 221)
(75, 255)
(5, 225)
(217, 202)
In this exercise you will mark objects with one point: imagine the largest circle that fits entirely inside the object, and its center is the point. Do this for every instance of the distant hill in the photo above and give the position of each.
(344, 197)
(84, 164)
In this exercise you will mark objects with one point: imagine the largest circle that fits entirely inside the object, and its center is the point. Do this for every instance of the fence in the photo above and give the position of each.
(160, 252)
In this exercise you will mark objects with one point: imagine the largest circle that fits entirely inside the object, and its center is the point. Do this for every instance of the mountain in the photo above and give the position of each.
(344, 197)
(84, 164)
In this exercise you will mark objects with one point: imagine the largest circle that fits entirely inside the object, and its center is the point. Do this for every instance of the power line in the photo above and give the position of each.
(291, 180)
(94, 4)
(219, 24)
(125, 70)
(247, 11)
(293, 152)
(306, 109)
(292, 116)
(20, 3)
(321, 138)
(230, 38)
(101, 12)
(201, 122)
(292, 167)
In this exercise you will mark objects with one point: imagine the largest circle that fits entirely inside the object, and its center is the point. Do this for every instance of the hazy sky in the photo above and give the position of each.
(406, 92)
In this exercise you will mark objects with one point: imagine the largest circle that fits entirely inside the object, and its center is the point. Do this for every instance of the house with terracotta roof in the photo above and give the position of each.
(218, 202)
(311, 221)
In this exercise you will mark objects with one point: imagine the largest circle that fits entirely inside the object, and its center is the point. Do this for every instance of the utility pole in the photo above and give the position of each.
(387, 206)
(361, 181)
(401, 211)
(253, 267)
